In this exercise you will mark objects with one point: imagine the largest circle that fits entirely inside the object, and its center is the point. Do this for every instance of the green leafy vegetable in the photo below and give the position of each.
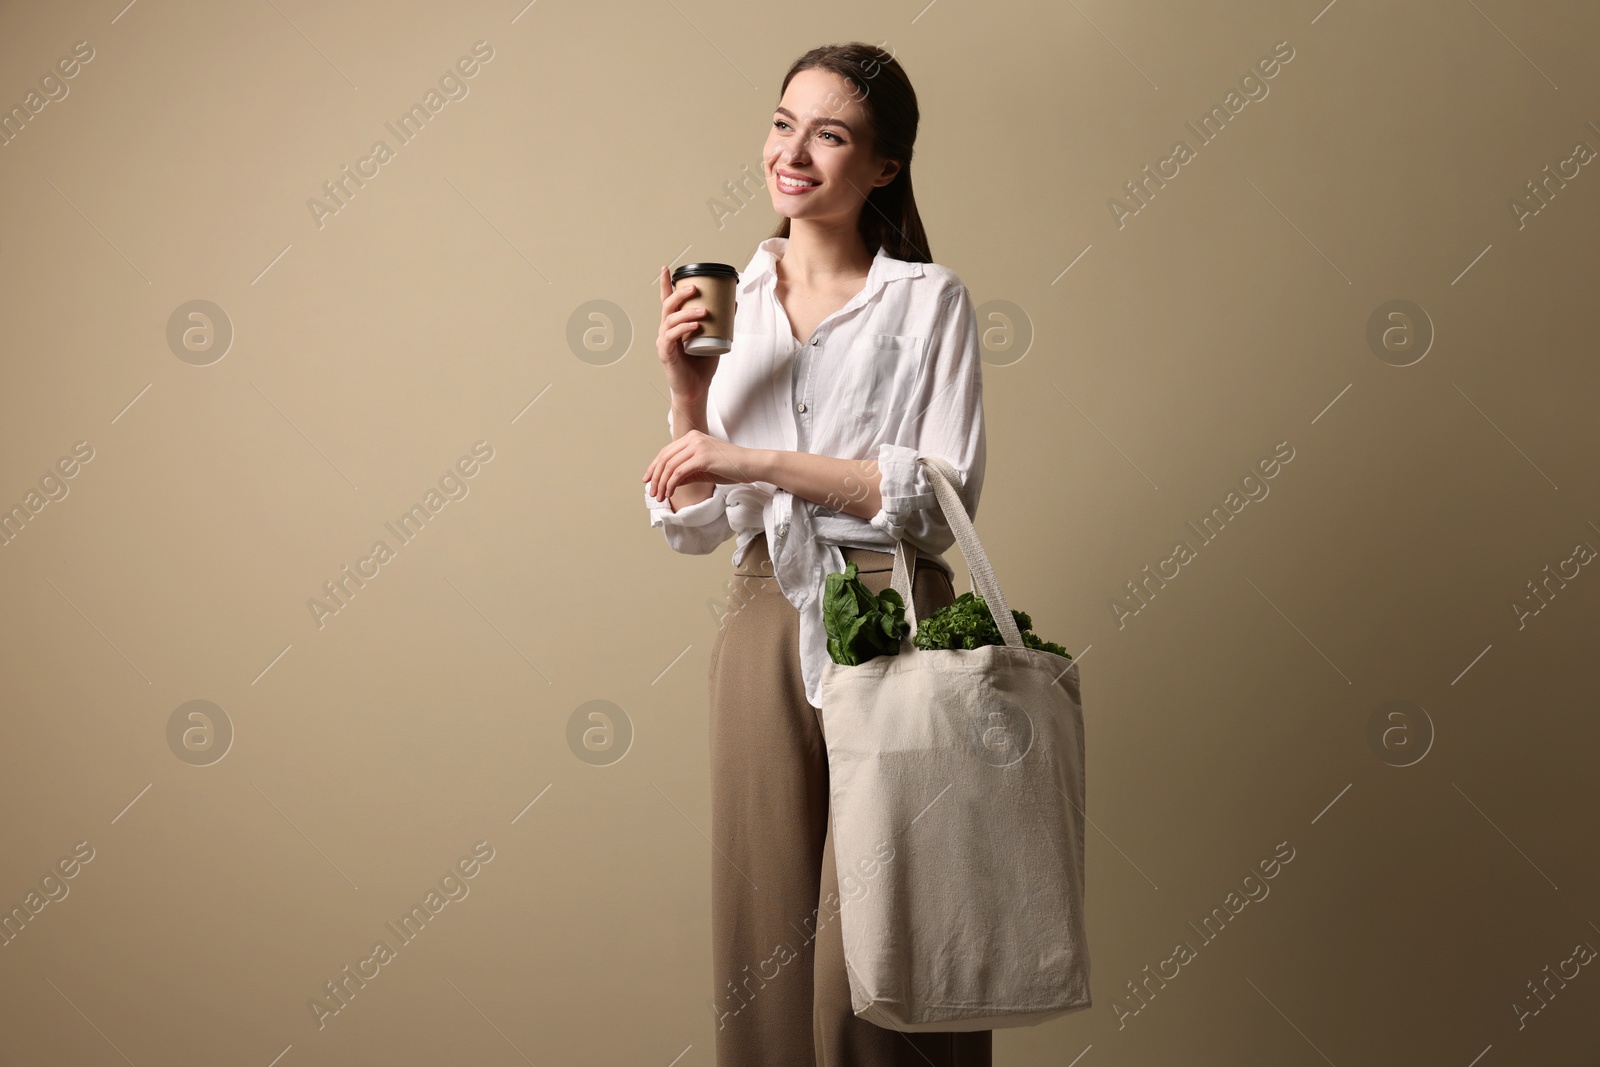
(968, 623)
(861, 624)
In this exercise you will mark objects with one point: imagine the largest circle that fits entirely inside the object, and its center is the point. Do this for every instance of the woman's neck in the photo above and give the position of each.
(822, 254)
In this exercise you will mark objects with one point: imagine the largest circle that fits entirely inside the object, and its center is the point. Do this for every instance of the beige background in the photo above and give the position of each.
(432, 712)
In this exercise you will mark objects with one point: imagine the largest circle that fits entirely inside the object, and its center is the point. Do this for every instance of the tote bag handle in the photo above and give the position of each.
(943, 475)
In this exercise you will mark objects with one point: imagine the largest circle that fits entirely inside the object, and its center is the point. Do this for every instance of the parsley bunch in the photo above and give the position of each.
(861, 624)
(968, 623)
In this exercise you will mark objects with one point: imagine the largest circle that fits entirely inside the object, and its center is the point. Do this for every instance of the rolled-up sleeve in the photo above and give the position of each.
(946, 420)
(696, 529)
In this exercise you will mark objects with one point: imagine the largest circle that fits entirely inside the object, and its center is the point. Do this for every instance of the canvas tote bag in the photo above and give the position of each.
(956, 782)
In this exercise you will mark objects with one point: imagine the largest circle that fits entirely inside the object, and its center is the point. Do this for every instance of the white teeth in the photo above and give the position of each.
(796, 184)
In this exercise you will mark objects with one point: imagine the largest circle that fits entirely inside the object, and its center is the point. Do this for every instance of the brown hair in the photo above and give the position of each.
(889, 218)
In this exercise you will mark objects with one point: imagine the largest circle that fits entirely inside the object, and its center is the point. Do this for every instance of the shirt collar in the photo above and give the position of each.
(764, 265)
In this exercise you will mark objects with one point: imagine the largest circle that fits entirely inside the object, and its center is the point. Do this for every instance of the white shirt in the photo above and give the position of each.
(895, 372)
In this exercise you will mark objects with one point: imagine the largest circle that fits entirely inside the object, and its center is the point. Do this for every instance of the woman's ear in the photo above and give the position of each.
(891, 167)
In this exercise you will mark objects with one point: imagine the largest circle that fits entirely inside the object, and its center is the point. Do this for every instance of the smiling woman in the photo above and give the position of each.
(852, 354)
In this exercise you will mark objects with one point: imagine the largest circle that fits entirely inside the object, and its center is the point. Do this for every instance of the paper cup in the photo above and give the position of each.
(715, 283)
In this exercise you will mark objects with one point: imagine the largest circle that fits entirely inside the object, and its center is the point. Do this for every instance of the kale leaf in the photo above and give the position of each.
(860, 623)
(968, 623)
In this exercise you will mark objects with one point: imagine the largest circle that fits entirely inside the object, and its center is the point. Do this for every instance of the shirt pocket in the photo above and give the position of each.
(879, 380)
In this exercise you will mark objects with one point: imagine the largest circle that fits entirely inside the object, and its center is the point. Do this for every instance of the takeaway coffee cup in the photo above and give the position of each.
(715, 283)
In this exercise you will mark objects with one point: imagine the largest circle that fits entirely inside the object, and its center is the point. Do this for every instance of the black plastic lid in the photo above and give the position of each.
(691, 269)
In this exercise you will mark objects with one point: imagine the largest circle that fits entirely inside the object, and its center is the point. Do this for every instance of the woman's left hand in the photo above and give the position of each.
(699, 457)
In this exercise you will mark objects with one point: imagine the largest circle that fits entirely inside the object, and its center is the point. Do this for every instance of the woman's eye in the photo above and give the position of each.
(780, 124)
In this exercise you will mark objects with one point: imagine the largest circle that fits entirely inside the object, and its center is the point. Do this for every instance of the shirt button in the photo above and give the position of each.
(800, 406)
(815, 340)
(783, 527)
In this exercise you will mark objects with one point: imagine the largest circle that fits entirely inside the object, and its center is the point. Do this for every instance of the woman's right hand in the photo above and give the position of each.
(689, 377)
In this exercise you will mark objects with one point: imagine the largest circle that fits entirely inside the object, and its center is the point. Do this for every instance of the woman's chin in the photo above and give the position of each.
(792, 211)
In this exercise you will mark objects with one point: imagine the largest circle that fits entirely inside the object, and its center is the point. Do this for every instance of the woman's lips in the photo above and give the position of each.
(792, 190)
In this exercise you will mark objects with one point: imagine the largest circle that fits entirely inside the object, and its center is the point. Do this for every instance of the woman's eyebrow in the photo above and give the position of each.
(820, 122)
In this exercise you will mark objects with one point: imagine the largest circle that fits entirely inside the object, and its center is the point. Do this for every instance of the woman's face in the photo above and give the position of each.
(820, 133)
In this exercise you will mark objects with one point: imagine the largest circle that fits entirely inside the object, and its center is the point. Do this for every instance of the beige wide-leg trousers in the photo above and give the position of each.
(781, 997)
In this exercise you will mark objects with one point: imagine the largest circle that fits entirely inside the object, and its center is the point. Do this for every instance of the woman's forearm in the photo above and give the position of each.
(690, 415)
(847, 485)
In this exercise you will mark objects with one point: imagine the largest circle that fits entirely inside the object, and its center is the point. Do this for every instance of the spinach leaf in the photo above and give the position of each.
(859, 623)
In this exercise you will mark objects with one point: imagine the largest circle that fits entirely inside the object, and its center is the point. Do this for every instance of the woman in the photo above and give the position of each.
(852, 352)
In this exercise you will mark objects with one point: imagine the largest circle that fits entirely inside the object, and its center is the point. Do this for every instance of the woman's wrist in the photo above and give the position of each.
(760, 465)
(689, 415)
